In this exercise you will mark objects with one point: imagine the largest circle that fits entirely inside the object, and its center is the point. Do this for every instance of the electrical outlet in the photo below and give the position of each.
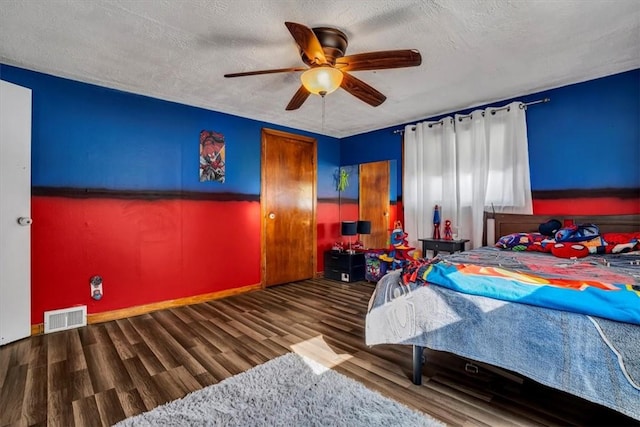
(96, 288)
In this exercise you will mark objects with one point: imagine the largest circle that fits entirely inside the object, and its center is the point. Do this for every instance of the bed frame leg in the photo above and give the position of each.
(418, 359)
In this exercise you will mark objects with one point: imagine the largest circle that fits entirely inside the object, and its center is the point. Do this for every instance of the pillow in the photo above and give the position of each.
(615, 243)
(577, 233)
(569, 250)
(518, 241)
(621, 238)
(595, 246)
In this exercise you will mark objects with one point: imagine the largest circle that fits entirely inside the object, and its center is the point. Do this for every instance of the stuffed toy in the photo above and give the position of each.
(398, 253)
(569, 250)
(550, 228)
(448, 235)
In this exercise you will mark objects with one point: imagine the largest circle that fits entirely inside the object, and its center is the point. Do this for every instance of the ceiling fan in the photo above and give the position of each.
(323, 49)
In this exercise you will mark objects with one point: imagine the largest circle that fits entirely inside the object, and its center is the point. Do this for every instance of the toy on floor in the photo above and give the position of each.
(375, 267)
(398, 254)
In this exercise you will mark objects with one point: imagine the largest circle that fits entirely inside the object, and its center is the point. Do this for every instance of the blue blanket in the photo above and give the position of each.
(590, 357)
(606, 286)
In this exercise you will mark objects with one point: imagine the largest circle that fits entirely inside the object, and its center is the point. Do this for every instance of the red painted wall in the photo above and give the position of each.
(349, 210)
(145, 251)
(587, 206)
(328, 229)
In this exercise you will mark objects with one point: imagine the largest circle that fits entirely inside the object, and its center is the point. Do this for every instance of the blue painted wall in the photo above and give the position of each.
(86, 136)
(587, 137)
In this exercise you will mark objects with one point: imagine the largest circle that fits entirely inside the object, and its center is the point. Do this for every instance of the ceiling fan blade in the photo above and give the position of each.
(361, 90)
(298, 99)
(308, 42)
(380, 60)
(254, 73)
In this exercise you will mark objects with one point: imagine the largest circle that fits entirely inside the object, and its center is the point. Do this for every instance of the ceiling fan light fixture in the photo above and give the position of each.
(321, 80)
(323, 49)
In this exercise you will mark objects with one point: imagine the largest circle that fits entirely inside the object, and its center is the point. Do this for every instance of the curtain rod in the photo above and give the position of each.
(493, 110)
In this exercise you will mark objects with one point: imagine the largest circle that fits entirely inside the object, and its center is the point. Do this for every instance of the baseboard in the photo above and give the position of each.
(122, 313)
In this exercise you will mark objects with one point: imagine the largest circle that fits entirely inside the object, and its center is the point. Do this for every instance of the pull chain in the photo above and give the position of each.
(323, 100)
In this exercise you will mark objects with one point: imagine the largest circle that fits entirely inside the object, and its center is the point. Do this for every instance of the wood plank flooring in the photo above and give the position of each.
(103, 373)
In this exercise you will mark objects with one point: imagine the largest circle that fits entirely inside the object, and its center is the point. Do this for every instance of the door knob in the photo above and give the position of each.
(272, 215)
(23, 220)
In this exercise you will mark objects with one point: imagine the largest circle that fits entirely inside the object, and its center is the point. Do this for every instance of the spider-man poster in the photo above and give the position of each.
(212, 165)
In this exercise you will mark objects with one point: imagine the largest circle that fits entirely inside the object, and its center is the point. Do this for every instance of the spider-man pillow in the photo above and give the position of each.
(519, 241)
(621, 242)
(569, 250)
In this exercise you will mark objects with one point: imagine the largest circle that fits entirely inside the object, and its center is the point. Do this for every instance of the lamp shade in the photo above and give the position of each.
(349, 228)
(364, 227)
(321, 80)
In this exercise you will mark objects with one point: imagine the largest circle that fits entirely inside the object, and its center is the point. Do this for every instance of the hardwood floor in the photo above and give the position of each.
(103, 373)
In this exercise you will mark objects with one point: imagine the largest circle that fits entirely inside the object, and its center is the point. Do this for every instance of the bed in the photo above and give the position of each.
(563, 336)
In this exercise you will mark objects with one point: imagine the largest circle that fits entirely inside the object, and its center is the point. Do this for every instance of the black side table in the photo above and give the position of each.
(344, 266)
(436, 245)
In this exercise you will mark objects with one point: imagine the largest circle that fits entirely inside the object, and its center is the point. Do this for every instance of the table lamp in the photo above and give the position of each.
(349, 228)
(364, 227)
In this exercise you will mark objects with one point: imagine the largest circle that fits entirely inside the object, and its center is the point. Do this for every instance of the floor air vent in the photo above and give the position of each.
(66, 318)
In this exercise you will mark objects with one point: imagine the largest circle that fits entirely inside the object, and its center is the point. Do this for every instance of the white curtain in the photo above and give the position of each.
(466, 165)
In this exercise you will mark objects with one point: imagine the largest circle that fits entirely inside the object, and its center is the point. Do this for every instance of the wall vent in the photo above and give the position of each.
(66, 318)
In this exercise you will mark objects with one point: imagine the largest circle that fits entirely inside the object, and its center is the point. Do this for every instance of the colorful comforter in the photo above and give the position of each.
(606, 286)
(588, 356)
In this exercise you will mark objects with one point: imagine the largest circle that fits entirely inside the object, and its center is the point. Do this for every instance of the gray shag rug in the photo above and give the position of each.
(290, 390)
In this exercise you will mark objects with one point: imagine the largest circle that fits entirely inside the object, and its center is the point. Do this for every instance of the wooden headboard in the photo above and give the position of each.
(515, 223)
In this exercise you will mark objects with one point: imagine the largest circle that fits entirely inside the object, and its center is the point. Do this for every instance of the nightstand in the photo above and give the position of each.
(344, 266)
(436, 245)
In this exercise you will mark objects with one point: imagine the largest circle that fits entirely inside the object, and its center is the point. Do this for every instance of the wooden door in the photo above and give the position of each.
(15, 202)
(374, 202)
(288, 205)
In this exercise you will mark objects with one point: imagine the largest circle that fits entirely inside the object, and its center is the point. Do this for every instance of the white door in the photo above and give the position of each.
(15, 208)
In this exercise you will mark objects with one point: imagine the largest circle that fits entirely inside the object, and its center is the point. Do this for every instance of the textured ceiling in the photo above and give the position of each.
(473, 51)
